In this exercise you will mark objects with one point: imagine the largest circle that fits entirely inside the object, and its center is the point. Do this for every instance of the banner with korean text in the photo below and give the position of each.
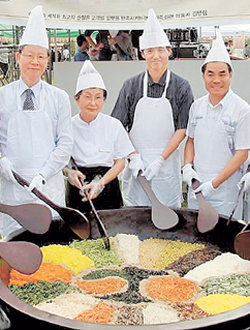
(127, 14)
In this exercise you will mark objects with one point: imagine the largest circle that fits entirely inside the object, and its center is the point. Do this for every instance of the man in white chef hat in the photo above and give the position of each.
(35, 120)
(154, 108)
(218, 135)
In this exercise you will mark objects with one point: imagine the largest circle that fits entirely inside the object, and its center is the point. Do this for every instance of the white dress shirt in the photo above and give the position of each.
(57, 106)
(99, 142)
(232, 111)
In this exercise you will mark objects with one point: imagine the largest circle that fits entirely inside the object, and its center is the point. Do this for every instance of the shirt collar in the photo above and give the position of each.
(222, 102)
(93, 122)
(161, 82)
(35, 89)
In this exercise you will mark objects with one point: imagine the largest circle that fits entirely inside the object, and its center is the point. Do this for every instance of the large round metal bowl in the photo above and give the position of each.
(131, 221)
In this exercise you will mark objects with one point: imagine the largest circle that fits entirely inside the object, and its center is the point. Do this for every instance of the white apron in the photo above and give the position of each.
(152, 129)
(212, 153)
(30, 141)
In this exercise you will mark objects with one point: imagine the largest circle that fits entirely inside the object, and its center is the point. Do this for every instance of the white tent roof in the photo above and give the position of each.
(227, 30)
(127, 14)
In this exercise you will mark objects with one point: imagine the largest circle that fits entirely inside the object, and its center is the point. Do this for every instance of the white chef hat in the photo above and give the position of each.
(89, 77)
(218, 51)
(153, 34)
(35, 31)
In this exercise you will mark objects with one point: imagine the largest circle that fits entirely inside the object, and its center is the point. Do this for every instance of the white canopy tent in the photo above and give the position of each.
(127, 14)
(227, 30)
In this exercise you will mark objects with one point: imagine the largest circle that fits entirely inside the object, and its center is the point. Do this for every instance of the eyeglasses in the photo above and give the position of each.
(39, 58)
(96, 99)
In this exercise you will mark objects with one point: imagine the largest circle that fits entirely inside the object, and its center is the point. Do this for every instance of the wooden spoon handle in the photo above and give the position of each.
(4, 208)
(148, 189)
(36, 192)
(100, 224)
(195, 184)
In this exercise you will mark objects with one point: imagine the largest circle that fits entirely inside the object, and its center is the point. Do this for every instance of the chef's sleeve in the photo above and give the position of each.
(191, 124)
(242, 132)
(122, 106)
(123, 146)
(185, 100)
(60, 156)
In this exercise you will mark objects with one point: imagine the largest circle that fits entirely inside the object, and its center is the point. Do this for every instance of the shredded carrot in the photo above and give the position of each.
(170, 288)
(103, 286)
(46, 273)
(100, 313)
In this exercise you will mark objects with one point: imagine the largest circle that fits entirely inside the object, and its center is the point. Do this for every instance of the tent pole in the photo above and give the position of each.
(56, 55)
(69, 43)
(200, 34)
(50, 61)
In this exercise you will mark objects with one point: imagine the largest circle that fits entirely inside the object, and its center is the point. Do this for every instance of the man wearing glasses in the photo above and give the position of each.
(35, 127)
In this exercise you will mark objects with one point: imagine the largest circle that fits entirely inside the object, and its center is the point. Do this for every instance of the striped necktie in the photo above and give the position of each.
(28, 103)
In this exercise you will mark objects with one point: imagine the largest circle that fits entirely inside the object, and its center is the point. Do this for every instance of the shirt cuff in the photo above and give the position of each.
(46, 173)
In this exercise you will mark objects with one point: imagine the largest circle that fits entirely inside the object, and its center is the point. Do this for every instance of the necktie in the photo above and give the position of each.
(28, 103)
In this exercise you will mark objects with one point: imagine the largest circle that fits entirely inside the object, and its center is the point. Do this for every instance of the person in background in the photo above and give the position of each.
(154, 106)
(106, 51)
(65, 53)
(218, 136)
(94, 47)
(246, 191)
(100, 146)
(81, 54)
(124, 47)
(35, 127)
(228, 47)
(53, 56)
(245, 181)
(135, 35)
(246, 51)
(4, 58)
(103, 48)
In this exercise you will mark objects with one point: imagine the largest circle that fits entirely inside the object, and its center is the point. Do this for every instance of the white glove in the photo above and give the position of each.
(153, 168)
(94, 188)
(188, 173)
(206, 189)
(37, 182)
(135, 164)
(6, 169)
(246, 180)
(76, 178)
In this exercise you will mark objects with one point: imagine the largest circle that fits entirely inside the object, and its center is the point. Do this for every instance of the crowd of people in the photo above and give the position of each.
(102, 45)
(154, 112)
(107, 45)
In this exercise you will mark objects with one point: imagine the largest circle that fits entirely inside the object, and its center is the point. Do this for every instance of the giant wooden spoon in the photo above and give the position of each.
(36, 218)
(208, 216)
(78, 223)
(242, 242)
(25, 257)
(162, 216)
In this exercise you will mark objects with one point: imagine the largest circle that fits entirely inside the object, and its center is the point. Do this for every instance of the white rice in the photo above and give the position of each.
(68, 305)
(225, 264)
(156, 313)
(127, 247)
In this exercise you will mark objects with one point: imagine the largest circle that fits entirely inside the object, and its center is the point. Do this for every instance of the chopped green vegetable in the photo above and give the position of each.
(35, 293)
(96, 251)
(233, 284)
